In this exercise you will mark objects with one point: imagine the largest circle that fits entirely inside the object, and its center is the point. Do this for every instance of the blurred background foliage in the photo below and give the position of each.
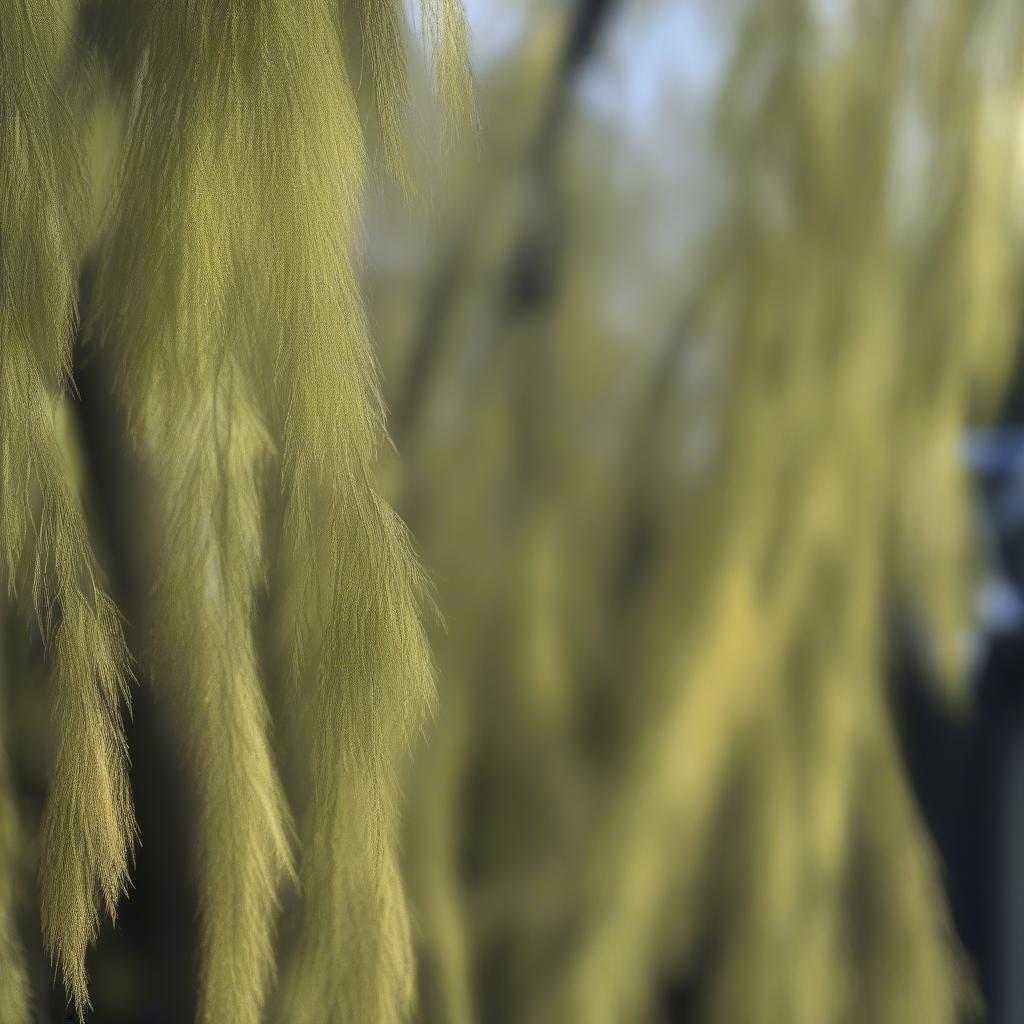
(701, 367)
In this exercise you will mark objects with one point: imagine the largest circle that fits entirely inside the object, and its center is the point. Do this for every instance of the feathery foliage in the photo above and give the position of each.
(665, 748)
(256, 348)
(696, 705)
(225, 290)
(89, 824)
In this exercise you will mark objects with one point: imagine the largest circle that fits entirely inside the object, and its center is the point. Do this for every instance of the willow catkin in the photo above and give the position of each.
(88, 823)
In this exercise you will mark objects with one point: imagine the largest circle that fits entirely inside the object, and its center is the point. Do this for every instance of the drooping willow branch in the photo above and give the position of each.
(46, 557)
(225, 288)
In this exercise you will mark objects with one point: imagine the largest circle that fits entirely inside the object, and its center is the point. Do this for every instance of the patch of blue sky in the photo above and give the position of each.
(655, 55)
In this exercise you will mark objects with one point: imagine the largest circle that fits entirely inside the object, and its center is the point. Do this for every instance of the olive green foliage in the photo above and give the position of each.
(88, 826)
(665, 551)
(225, 293)
(665, 747)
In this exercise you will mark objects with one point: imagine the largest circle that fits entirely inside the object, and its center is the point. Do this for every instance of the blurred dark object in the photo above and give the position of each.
(969, 771)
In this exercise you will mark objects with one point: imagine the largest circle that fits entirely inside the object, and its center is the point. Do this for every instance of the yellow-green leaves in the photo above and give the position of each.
(228, 285)
(88, 823)
(382, 48)
(226, 291)
(679, 786)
